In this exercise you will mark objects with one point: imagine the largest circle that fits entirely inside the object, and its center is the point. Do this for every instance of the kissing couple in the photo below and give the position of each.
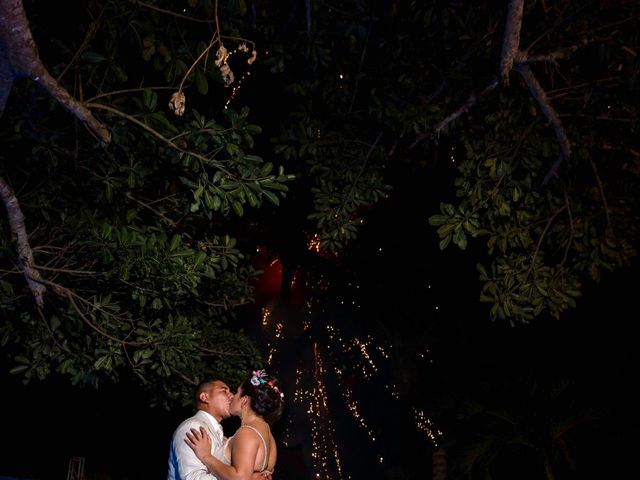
(200, 451)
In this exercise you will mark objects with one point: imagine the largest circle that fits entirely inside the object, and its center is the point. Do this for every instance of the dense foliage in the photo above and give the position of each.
(545, 159)
(131, 238)
(134, 238)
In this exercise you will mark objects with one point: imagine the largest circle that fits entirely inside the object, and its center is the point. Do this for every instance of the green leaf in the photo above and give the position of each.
(277, 186)
(266, 169)
(251, 198)
(233, 149)
(237, 207)
(202, 85)
(200, 256)
(175, 240)
(445, 230)
(93, 57)
(102, 362)
(444, 242)
(483, 271)
(272, 197)
(150, 99)
(436, 220)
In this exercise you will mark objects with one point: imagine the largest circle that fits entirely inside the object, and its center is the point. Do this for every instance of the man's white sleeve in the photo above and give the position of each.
(188, 466)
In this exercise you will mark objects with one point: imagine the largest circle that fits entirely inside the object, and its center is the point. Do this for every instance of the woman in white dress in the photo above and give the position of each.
(259, 403)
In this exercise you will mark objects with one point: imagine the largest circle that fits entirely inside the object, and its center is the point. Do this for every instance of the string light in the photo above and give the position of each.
(310, 391)
(314, 243)
(425, 424)
(325, 454)
(352, 405)
(266, 315)
(236, 88)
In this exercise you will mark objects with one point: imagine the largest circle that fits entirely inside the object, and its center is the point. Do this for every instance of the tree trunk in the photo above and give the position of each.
(439, 464)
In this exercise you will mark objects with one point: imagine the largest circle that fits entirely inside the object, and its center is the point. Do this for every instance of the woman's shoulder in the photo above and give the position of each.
(262, 430)
(259, 433)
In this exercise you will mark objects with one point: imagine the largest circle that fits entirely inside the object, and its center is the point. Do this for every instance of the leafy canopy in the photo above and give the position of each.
(535, 117)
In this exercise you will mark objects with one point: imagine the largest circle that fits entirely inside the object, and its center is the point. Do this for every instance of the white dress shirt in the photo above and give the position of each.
(183, 463)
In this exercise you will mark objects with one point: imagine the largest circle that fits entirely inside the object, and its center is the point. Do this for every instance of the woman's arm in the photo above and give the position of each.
(243, 455)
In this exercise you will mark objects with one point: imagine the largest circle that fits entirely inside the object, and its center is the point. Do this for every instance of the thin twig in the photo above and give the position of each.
(128, 90)
(93, 28)
(542, 235)
(169, 12)
(570, 241)
(602, 195)
(161, 137)
(149, 207)
(362, 168)
(471, 101)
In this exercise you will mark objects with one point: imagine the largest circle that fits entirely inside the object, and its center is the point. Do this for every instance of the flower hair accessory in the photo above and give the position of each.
(258, 378)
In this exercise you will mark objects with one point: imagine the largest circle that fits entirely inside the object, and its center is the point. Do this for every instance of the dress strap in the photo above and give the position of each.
(266, 453)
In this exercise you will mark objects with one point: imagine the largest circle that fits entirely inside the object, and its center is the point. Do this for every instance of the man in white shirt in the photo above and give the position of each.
(213, 398)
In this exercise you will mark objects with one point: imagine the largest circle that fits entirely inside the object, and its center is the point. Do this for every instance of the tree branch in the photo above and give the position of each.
(362, 56)
(511, 40)
(6, 79)
(542, 235)
(79, 110)
(602, 195)
(162, 138)
(571, 228)
(20, 57)
(471, 101)
(25, 254)
(148, 206)
(552, 116)
(511, 56)
(307, 10)
(523, 57)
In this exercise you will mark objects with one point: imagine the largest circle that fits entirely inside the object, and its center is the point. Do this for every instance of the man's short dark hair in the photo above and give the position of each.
(201, 387)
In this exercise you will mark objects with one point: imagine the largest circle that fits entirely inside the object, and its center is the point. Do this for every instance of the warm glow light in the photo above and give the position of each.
(314, 243)
(341, 360)
(234, 91)
(425, 424)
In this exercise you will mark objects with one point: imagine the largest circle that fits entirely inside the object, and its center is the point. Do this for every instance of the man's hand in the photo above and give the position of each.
(200, 442)
(266, 475)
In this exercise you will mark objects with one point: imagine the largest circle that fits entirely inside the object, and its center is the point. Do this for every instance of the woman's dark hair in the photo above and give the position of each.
(267, 400)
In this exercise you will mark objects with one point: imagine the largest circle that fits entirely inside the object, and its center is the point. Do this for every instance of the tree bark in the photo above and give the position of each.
(543, 102)
(25, 255)
(511, 40)
(439, 464)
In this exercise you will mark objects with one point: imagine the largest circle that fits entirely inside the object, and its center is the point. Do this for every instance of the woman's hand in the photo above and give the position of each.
(200, 443)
